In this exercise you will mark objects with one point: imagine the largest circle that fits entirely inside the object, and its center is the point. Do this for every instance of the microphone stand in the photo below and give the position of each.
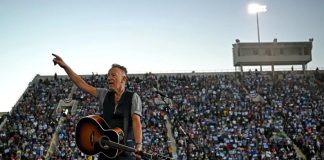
(187, 137)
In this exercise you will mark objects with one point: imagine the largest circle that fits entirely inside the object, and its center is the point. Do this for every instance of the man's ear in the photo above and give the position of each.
(125, 79)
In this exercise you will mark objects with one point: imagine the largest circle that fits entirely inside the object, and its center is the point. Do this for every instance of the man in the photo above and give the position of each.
(121, 108)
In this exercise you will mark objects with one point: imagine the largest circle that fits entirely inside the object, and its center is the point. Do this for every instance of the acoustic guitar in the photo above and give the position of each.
(93, 136)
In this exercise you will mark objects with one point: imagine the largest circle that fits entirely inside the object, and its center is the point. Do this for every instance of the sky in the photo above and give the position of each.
(143, 35)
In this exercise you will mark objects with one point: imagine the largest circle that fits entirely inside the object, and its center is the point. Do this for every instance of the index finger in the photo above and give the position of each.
(55, 55)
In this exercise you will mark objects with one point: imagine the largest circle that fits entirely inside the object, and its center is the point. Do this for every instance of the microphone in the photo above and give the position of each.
(159, 92)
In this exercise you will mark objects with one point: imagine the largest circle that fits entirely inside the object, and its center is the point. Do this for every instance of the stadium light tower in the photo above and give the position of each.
(256, 9)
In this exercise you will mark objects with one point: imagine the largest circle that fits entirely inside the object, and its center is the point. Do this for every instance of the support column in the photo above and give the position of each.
(241, 67)
(272, 69)
(304, 68)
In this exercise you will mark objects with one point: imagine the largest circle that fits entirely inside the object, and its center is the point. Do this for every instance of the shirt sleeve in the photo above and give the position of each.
(136, 105)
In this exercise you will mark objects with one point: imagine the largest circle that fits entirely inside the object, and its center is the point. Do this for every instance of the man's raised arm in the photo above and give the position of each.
(76, 79)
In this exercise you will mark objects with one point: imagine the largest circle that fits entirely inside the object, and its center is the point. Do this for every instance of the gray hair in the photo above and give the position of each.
(120, 67)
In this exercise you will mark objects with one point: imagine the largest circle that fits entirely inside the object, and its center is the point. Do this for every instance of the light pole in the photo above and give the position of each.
(256, 9)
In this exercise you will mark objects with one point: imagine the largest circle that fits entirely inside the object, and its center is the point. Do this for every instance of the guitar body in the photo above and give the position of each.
(92, 133)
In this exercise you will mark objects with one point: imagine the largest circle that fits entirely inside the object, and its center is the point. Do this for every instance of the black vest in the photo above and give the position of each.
(120, 115)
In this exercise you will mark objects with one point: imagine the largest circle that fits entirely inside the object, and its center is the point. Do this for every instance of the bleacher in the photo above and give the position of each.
(218, 111)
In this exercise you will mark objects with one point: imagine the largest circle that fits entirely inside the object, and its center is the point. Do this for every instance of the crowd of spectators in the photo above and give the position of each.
(303, 101)
(220, 114)
(30, 124)
(213, 116)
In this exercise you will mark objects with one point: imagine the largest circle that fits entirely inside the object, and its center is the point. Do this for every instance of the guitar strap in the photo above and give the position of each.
(127, 114)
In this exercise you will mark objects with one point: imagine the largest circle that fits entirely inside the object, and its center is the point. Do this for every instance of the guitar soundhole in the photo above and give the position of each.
(103, 142)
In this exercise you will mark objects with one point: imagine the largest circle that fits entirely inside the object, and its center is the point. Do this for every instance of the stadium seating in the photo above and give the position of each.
(219, 112)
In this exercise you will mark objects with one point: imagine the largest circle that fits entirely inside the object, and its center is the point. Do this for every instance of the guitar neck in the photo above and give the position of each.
(130, 149)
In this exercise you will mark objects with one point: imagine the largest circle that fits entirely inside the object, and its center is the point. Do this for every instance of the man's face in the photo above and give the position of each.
(116, 78)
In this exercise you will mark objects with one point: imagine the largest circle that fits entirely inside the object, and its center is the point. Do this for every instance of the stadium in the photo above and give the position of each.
(221, 115)
(191, 108)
